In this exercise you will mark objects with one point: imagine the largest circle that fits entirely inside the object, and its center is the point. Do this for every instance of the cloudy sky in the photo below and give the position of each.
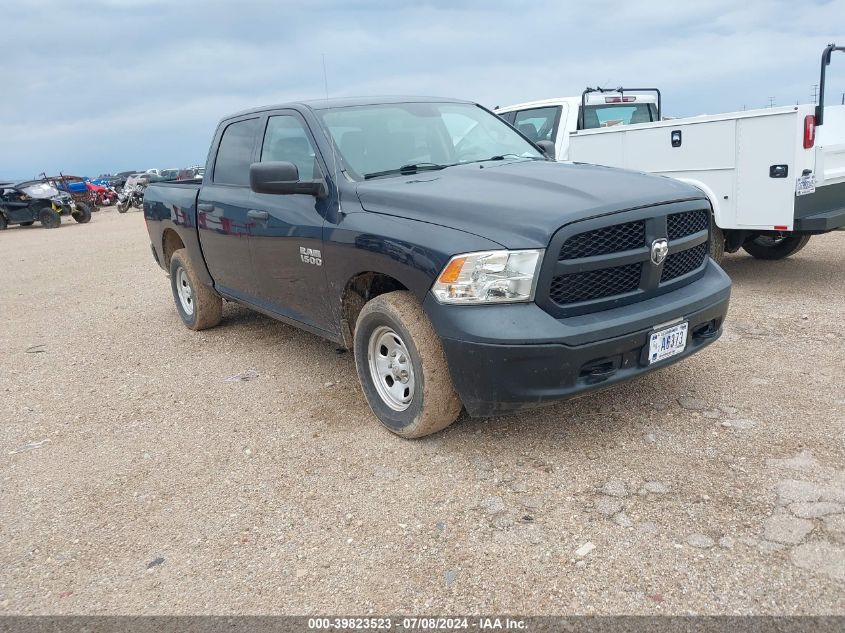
(110, 85)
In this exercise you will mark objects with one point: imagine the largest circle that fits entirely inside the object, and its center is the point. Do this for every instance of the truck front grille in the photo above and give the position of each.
(608, 239)
(683, 262)
(682, 224)
(594, 284)
(606, 262)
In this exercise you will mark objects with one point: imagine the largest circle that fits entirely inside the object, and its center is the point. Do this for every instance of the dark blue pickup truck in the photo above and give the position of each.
(462, 266)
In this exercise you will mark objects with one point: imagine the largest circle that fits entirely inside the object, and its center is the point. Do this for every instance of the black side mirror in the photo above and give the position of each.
(548, 148)
(282, 177)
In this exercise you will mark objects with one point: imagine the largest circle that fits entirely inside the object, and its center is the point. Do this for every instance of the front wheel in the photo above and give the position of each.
(402, 367)
(123, 206)
(82, 213)
(717, 243)
(49, 218)
(198, 305)
(775, 247)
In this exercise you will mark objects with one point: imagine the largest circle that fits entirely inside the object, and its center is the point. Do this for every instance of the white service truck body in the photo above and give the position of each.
(774, 176)
(753, 165)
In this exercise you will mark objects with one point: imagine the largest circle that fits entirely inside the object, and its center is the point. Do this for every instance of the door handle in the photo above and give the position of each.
(207, 207)
(258, 215)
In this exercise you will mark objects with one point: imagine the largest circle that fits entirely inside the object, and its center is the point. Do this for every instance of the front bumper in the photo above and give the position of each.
(512, 357)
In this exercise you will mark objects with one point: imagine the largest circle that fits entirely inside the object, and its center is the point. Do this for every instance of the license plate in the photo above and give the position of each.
(668, 342)
(805, 185)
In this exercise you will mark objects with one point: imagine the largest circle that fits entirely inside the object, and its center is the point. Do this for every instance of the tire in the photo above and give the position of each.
(717, 243)
(3, 222)
(430, 403)
(198, 305)
(122, 207)
(30, 223)
(765, 247)
(83, 213)
(49, 218)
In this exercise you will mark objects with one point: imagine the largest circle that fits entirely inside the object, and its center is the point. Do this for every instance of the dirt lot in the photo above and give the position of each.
(149, 469)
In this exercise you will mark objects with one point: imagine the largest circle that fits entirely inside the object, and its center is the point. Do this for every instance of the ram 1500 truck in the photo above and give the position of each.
(462, 266)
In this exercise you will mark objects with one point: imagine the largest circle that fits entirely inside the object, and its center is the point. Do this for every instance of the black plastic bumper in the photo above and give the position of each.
(821, 211)
(507, 358)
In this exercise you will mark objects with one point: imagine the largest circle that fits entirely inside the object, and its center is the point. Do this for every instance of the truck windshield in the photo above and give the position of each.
(389, 139)
(596, 116)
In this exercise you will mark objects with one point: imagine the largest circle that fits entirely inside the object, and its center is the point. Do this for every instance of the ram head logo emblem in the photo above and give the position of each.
(659, 250)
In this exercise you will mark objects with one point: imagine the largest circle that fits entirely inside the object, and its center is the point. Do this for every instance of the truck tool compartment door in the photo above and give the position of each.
(286, 242)
(222, 210)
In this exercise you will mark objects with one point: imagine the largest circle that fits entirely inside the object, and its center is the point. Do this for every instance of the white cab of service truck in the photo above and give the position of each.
(774, 176)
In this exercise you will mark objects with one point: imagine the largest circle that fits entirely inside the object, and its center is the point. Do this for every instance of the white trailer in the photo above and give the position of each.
(774, 176)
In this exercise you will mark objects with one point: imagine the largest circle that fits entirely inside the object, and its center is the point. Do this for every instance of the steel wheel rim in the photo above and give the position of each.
(391, 369)
(185, 292)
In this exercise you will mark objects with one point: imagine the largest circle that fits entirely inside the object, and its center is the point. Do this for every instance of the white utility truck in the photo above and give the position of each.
(774, 176)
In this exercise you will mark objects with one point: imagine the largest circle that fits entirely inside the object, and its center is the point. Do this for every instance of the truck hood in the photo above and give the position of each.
(518, 204)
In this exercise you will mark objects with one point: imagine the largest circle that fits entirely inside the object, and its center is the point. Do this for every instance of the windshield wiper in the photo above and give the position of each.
(504, 156)
(411, 168)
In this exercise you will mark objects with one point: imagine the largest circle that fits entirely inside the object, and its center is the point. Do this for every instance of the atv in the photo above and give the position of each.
(25, 202)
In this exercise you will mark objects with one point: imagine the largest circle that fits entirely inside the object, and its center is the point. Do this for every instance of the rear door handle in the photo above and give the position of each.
(258, 215)
(207, 207)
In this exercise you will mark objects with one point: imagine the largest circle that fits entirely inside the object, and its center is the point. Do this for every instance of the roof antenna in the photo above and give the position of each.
(331, 140)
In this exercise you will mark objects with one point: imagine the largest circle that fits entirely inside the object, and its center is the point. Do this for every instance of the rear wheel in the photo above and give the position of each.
(82, 213)
(3, 222)
(198, 305)
(49, 218)
(775, 247)
(402, 367)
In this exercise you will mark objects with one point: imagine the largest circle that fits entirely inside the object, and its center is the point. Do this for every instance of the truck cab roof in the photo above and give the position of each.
(592, 99)
(346, 102)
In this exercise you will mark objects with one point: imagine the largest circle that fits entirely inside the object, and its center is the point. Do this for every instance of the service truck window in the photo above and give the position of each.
(235, 153)
(538, 124)
(380, 140)
(596, 116)
(286, 139)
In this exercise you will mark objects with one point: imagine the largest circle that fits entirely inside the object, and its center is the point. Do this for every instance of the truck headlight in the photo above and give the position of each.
(489, 277)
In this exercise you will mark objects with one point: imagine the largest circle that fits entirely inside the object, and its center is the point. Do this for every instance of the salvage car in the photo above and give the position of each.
(464, 267)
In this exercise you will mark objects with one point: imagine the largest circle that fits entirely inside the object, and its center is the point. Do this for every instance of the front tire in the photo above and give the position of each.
(766, 247)
(198, 305)
(83, 213)
(49, 218)
(402, 367)
(717, 243)
(123, 207)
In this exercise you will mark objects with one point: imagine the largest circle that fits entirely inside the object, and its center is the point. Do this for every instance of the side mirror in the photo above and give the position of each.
(548, 148)
(282, 177)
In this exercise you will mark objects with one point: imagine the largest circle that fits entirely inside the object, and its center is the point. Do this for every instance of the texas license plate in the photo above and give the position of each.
(805, 185)
(667, 342)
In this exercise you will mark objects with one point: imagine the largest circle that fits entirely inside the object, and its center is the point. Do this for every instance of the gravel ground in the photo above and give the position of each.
(149, 469)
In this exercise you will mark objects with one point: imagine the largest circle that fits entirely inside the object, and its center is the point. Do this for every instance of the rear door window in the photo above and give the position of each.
(538, 124)
(234, 155)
